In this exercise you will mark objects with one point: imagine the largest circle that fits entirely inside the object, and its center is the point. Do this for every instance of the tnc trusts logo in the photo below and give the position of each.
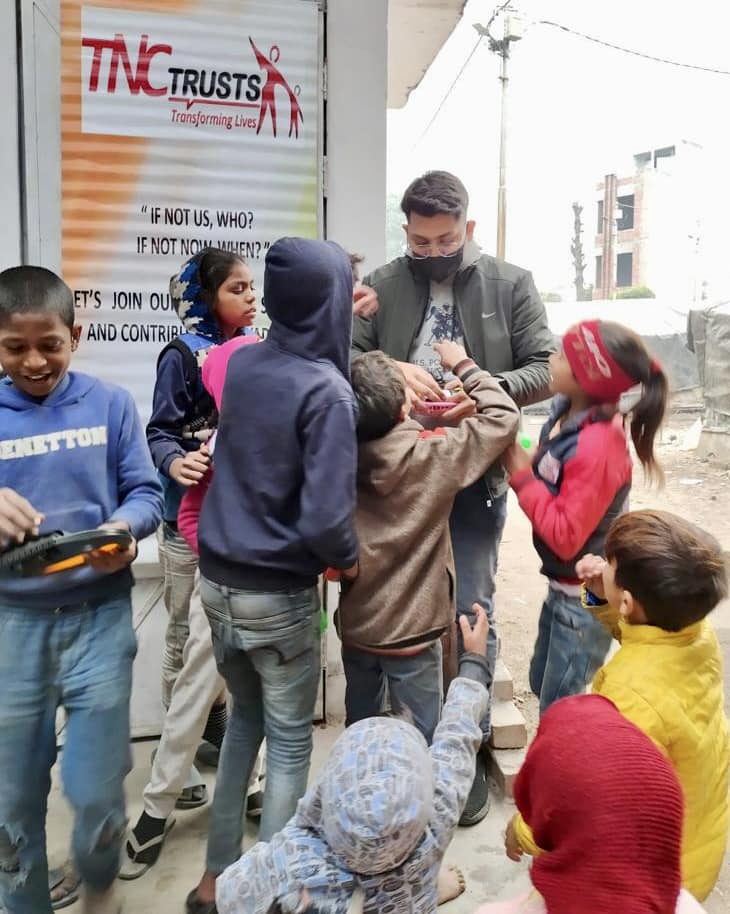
(189, 85)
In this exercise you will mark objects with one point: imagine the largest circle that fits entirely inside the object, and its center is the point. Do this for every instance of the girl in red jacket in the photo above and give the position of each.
(578, 481)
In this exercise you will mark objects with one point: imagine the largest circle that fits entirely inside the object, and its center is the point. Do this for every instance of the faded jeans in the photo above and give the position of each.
(414, 686)
(79, 658)
(267, 647)
(571, 647)
(477, 523)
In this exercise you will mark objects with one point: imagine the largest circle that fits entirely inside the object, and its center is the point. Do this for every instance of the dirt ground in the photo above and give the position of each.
(695, 489)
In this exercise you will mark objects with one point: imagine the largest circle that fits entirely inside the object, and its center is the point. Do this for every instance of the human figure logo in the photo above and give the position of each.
(112, 69)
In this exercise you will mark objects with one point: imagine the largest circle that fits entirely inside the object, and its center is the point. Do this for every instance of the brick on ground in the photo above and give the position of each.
(509, 729)
(504, 765)
(503, 688)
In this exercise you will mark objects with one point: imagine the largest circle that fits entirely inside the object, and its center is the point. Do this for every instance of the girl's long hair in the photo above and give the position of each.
(628, 349)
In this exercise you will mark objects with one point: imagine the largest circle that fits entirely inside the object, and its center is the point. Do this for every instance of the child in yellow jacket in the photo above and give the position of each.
(662, 576)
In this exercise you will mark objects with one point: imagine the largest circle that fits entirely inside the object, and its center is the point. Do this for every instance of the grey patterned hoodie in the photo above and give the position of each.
(379, 817)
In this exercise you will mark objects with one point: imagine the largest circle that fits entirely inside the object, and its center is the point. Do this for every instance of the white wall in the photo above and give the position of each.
(357, 78)
(10, 229)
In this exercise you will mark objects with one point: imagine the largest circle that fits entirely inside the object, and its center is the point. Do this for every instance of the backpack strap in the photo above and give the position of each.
(204, 416)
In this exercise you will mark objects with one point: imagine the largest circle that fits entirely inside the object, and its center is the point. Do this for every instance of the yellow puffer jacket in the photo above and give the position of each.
(670, 685)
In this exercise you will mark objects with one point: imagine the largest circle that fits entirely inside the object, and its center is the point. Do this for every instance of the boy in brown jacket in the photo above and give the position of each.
(393, 615)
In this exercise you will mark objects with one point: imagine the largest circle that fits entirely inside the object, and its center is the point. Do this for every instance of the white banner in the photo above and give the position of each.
(191, 127)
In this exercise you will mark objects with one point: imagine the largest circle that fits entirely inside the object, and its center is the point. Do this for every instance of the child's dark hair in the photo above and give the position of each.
(628, 349)
(435, 193)
(673, 568)
(380, 391)
(214, 268)
(32, 290)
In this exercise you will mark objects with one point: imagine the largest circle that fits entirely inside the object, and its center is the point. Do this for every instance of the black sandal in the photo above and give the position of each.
(140, 855)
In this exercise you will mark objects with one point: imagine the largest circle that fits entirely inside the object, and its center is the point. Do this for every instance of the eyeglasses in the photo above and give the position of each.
(445, 249)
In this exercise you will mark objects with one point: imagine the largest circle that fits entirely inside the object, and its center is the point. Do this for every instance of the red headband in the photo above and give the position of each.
(595, 369)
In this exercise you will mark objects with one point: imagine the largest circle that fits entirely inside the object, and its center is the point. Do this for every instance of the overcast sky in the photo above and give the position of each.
(577, 111)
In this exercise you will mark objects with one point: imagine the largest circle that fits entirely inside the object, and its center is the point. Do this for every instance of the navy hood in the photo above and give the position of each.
(308, 297)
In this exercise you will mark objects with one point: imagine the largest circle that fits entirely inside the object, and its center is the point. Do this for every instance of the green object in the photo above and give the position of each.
(525, 442)
(323, 621)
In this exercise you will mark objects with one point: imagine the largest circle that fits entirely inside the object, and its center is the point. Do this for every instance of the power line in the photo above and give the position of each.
(618, 47)
(449, 91)
(569, 31)
(499, 9)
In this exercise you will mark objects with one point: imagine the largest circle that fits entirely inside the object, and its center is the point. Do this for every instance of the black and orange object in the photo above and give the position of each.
(58, 551)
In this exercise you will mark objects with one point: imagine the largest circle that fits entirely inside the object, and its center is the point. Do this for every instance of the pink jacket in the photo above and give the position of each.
(214, 377)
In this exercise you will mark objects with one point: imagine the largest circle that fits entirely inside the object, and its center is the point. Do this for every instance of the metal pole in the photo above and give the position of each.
(502, 191)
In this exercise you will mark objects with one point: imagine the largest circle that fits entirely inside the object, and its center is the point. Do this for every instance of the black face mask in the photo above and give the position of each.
(438, 269)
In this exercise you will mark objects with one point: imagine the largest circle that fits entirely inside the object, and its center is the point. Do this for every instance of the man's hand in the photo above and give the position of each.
(18, 518)
(590, 570)
(189, 470)
(475, 638)
(111, 562)
(364, 301)
(420, 382)
(516, 458)
(450, 353)
(511, 844)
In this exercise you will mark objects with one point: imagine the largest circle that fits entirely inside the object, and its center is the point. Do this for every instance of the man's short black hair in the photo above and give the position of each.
(436, 193)
(32, 290)
(380, 391)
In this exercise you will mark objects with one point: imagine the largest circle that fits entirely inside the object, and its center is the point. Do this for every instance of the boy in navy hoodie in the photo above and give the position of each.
(74, 457)
(278, 512)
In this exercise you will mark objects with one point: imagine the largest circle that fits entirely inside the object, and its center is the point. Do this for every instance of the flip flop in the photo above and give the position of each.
(65, 882)
(132, 869)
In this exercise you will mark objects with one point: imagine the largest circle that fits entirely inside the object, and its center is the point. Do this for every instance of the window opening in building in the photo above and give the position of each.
(626, 205)
(599, 224)
(624, 269)
(599, 271)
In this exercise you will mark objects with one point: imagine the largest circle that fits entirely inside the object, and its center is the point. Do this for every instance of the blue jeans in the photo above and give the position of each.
(477, 523)
(414, 685)
(571, 646)
(267, 647)
(79, 658)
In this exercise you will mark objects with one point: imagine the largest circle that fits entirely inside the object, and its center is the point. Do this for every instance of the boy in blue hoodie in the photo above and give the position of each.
(74, 457)
(278, 512)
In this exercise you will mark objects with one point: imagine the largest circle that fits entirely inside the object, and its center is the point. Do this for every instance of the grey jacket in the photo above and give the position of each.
(504, 321)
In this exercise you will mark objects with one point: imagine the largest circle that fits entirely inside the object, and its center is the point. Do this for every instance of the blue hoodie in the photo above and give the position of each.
(279, 509)
(79, 457)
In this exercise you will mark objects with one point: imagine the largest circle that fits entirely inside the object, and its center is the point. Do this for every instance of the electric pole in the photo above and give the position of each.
(512, 32)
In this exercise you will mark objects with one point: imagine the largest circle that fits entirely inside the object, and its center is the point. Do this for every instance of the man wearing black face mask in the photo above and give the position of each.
(445, 288)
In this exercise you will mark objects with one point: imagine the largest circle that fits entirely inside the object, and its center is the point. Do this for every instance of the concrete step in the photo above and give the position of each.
(504, 764)
(503, 688)
(509, 729)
